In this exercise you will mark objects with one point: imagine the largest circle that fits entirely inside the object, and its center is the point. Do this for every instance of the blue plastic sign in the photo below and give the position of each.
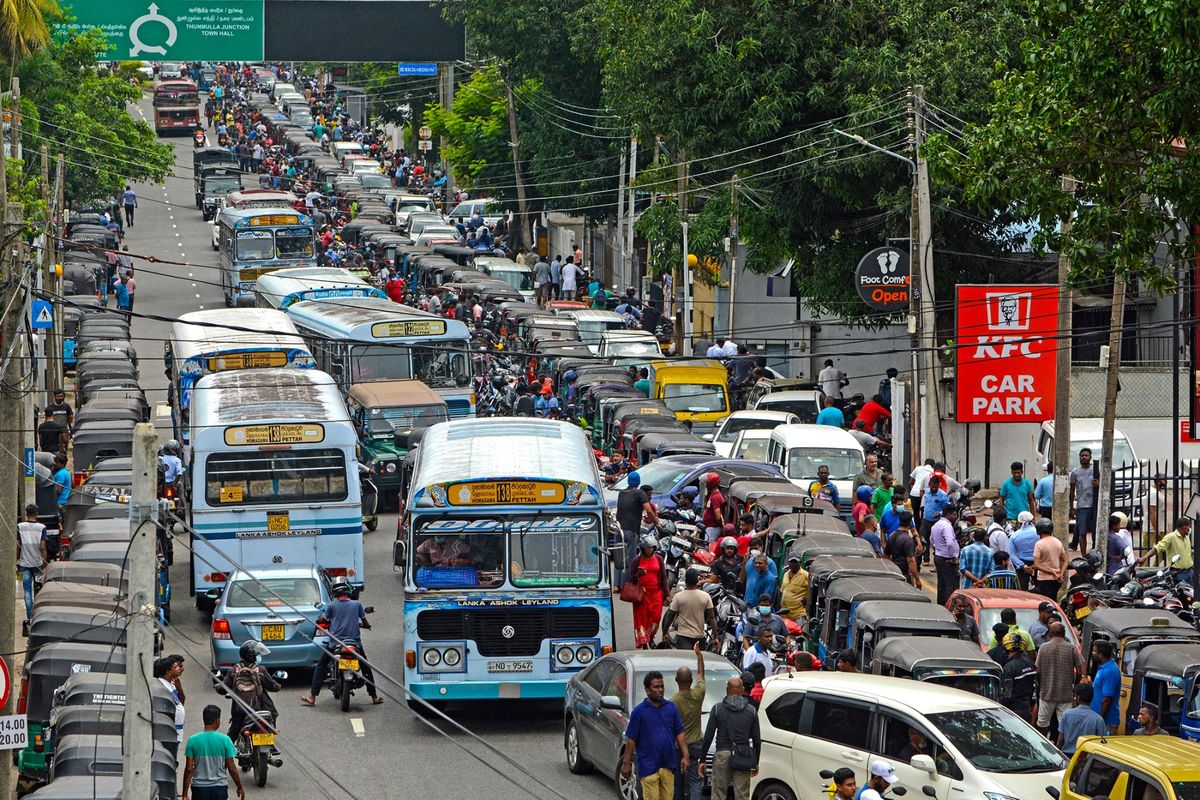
(416, 69)
(29, 461)
(41, 315)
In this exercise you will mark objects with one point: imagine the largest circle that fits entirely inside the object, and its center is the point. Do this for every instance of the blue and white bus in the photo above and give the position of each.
(281, 288)
(506, 584)
(200, 345)
(252, 242)
(369, 339)
(274, 478)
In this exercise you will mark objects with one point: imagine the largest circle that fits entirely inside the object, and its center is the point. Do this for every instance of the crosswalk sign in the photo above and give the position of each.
(41, 315)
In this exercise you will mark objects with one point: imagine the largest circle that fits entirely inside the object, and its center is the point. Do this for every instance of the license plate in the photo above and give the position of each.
(277, 523)
(262, 739)
(272, 633)
(510, 666)
(348, 663)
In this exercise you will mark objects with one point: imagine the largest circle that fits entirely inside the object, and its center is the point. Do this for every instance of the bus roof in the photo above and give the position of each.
(488, 448)
(282, 283)
(201, 333)
(235, 215)
(372, 319)
(267, 395)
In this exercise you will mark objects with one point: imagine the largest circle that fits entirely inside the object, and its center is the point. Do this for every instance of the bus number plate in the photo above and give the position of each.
(510, 666)
(278, 523)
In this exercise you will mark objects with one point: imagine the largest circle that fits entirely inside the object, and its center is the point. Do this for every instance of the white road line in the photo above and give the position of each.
(197, 294)
(357, 724)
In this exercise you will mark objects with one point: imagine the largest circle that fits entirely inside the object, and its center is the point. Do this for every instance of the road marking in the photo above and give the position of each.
(357, 724)
(191, 276)
(162, 410)
(198, 295)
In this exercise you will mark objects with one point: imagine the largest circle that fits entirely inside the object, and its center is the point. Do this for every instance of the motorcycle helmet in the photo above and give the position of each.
(729, 541)
(341, 588)
(251, 650)
(634, 480)
(498, 383)
(753, 617)
(1013, 642)
(972, 485)
(1044, 526)
(712, 480)
(1024, 518)
(171, 447)
(648, 541)
(864, 493)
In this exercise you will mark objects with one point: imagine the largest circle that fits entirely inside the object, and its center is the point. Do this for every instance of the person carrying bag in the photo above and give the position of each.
(734, 724)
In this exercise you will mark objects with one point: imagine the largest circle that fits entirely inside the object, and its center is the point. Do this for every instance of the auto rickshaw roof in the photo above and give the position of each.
(755, 487)
(797, 504)
(871, 587)
(377, 394)
(678, 440)
(827, 566)
(81, 787)
(1122, 622)
(809, 523)
(1169, 658)
(898, 613)
(913, 652)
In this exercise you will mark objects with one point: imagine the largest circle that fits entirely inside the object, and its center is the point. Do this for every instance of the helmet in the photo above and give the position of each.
(172, 447)
(753, 617)
(634, 480)
(712, 480)
(648, 541)
(864, 493)
(1044, 526)
(1013, 642)
(251, 650)
(972, 485)
(340, 588)
(1024, 517)
(498, 382)
(729, 541)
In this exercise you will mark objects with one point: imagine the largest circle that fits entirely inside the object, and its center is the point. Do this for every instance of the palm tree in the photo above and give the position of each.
(23, 26)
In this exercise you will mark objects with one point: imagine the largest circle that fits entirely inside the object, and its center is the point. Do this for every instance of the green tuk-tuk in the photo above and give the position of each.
(842, 599)
(744, 494)
(673, 443)
(954, 663)
(384, 413)
(808, 536)
(877, 620)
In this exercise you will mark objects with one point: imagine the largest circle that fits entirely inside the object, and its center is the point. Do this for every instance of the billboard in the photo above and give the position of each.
(883, 279)
(1006, 341)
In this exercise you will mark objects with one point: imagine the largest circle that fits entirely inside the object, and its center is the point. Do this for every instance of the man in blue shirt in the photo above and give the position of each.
(1017, 492)
(831, 415)
(129, 200)
(62, 479)
(345, 617)
(1020, 549)
(1043, 493)
(760, 579)
(655, 734)
(933, 502)
(1107, 686)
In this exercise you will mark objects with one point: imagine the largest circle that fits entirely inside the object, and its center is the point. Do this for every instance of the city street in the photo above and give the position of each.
(374, 751)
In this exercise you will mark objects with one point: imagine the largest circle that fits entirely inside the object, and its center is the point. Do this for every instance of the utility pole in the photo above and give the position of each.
(1062, 400)
(137, 742)
(930, 421)
(619, 262)
(522, 204)
(733, 232)
(56, 359)
(681, 181)
(914, 309)
(633, 148)
(1110, 399)
(10, 477)
(446, 74)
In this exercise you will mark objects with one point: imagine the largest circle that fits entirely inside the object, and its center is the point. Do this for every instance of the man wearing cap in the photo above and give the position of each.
(880, 776)
(1018, 677)
(632, 503)
(1020, 548)
(794, 591)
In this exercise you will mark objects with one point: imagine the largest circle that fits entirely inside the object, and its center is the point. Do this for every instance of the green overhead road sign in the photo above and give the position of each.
(173, 30)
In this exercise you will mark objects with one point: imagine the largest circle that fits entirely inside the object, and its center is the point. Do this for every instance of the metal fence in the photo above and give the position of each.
(1145, 392)
(1154, 494)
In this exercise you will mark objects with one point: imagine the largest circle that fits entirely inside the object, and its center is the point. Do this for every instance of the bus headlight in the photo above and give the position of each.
(572, 654)
(565, 655)
(584, 654)
(432, 657)
(442, 657)
(452, 657)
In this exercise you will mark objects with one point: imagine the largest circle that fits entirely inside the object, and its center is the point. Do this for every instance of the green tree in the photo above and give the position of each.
(476, 131)
(83, 115)
(23, 26)
(1106, 94)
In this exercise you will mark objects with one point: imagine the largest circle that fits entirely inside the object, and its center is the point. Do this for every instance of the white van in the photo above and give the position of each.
(1127, 469)
(960, 744)
(800, 449)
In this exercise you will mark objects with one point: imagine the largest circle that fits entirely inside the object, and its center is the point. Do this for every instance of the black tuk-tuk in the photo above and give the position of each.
(57, 623)
(806, 535)
(954, 663)
(106, 384)
(656, 445)
(842, 599)
(824, 570)
(89, 754)
(95, 441)
(1167, 675)
(744, 494)
(639, 426)
(84, 572)
(356, 230)
(88, 596)
(614, 413)
(81, 787)
(771, 506)
(877, 620)
(464, 256)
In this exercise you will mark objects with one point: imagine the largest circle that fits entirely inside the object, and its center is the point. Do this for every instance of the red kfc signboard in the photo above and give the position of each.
(1006, 342)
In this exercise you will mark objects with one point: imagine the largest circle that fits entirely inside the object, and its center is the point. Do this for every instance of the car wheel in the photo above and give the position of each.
(575, 760)
(628, 788)
(774, 790)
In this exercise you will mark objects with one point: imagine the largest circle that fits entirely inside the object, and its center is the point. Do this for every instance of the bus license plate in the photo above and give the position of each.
(262, 739)
(277, 523)
(348, 663)
(272, 633)
(510, 666)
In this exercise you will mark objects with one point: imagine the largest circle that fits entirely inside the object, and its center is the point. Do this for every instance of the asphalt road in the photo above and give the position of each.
(373, 751)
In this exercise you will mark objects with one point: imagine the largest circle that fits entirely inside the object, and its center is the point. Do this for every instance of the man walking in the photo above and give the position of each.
(1049, 560)
(690, 610)
(541, 279)
(632, 503)
(33, 557)
(129, 199)
(831, 379)
(689, 700)
(734, 724)
(654, 732)
(210, 756)
(1085, 486)
(1059, 664)
(945, 554)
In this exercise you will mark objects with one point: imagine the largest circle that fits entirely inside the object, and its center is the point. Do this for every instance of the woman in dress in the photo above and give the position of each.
(647, 570)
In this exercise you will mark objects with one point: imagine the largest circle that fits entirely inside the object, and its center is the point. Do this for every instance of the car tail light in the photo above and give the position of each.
(216, 577)
(335, 572)
(220, 628)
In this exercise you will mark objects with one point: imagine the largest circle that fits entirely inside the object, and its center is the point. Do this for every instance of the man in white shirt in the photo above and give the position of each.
(729, 349)
(717, 350)
(831, 380)
(311, 199)
(880, 778)
(918, 480)
(759, 652)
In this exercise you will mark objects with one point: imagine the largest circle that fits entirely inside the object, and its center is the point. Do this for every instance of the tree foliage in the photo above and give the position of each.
(23, 27)
(1107, 93)
(476, 131)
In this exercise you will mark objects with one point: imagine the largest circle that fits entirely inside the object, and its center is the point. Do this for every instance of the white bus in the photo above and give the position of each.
(283, 287)
(274, 477)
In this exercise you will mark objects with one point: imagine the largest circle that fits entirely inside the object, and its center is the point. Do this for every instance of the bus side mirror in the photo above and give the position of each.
(401, 438)
(399, 556)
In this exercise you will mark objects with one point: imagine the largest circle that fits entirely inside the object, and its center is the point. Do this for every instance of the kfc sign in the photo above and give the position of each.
(1006, 353)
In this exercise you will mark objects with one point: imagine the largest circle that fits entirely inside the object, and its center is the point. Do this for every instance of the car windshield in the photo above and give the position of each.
(559, 551)
(1122, 454)
(521, 281)
(715, 677)
(300, 594)
(806, 410)
(663, 476)
(697, 398)
(447, 555)
(843, 463)
(996, 740)
(735, 425)
(751, 449)
(221, 186)
(1186, 790)
(634, 347)
(989, 617)
(385, 421)
(375, 181)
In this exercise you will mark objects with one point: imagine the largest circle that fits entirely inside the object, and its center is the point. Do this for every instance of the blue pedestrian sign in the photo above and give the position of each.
(29, 462)
(416, 69)
(41, 315)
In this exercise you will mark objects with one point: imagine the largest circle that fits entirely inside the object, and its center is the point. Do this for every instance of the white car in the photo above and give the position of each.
(635, 344)
(961, 744)
(804, 403)
(739, 421)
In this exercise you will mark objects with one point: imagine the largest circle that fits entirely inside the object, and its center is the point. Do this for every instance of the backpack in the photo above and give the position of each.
(246, 685)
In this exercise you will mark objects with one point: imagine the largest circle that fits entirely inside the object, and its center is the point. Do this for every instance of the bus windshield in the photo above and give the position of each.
(447, 555)
(521, 281)
(441, 366)
(255, 246)
(281, 243)
(553, 555)
(294, 242)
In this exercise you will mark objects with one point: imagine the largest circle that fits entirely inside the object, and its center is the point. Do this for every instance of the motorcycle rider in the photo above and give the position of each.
(251, 683)
(345, 617)
(727, 569)
(168, 458)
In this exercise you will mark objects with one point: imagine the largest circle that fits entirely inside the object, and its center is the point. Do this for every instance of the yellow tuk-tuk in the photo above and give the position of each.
(695, 389)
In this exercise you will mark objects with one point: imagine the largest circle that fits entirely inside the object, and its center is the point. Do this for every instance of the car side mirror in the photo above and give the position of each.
(826, 774)
(281, 675)
(924, 763)
(929, 791)
(1053, 792)
(708, 437)
(898, 791)
(368, 609)
(612, 701)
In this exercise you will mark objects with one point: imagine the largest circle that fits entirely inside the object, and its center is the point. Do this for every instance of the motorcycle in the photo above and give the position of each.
(345, 675)
(254, 746)
(199, 139)
(729, 608)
